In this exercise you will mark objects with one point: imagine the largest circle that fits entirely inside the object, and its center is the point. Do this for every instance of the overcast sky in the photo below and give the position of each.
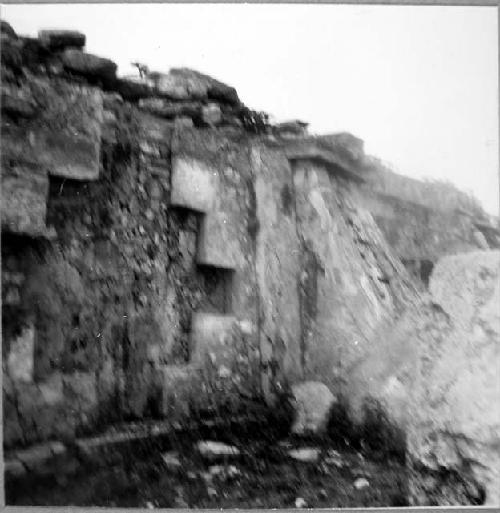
(419, 84)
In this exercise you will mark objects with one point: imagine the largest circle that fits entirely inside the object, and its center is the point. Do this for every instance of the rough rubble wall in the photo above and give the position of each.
(220, 188)
(100, 278)
(454, 433)
(106, 299)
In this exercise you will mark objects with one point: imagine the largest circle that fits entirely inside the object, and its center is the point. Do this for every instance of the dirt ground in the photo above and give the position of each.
(262, 476)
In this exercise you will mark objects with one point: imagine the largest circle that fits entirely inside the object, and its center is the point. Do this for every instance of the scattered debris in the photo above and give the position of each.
(212, 492)
(213, 450)
(171, 460)
(334, 458)
(361, 483)
(224, 472)
(300, 502)
(306, 454)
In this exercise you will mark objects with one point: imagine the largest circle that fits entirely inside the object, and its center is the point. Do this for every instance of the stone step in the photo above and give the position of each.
(211, 338)
(194, 184)
(218, 244)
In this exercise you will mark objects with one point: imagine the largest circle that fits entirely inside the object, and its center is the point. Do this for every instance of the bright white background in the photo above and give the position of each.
(418, 83)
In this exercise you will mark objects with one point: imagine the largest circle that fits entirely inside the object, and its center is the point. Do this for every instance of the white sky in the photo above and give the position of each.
(419, 84)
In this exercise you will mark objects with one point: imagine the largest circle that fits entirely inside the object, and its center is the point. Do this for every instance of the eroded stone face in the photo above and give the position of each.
(21, 354)
(312, 401)
(455, 416)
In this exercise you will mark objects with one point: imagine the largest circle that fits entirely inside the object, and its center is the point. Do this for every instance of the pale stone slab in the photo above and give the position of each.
(218, 243)
(194, 184)
(21, 356)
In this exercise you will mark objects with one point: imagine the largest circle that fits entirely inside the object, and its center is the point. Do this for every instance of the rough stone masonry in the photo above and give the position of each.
(167, 252)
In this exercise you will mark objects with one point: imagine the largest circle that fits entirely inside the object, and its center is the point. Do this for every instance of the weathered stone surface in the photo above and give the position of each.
(21, 355)
(18, 102)
(277, 268)
(293, 128)
(59, 39)
(211, 114)
(345, 144)
(80, 390)
(312, 402)
(169, 109)
(183, 122)
(133, 90)
(24, 199)
(194, 184)
(211, 87)
(218, 244)
(180, 390)
(310, 150)
(211, 338)
(52, 389)
(64, 138)
(177, 87)
(454, 427)
(89, 65)
(347, 274)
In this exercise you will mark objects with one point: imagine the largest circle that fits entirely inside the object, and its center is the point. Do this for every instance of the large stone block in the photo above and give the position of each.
(89, 65)
(455, 413)
(277, 268)
(194, 184)
(63, 139)
(24, 199)
(59, 39)
(218, 243)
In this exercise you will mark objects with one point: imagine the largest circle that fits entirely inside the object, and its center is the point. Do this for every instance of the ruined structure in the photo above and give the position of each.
(166, 254)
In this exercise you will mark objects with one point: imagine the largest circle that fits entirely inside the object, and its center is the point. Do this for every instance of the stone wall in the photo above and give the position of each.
(166, 255)
(329, 286)
(112, 291)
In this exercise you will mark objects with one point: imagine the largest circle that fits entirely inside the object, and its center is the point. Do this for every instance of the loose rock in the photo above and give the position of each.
(211, 114)
(334, 458)
(312, 401)
(171, 460)
(300, 502)
(304, 454)
(213, 450)
(59, 39)
(89, 65)
(361, 483)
